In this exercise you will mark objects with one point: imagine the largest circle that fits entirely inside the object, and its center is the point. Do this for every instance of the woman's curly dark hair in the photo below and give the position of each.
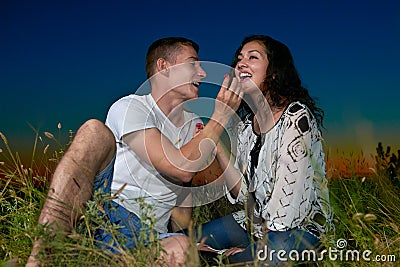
(282, 83)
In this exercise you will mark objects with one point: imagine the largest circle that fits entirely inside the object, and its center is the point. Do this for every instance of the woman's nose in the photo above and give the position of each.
(241, 64)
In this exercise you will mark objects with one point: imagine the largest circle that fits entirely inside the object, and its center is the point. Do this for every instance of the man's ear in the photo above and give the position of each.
(162, 66)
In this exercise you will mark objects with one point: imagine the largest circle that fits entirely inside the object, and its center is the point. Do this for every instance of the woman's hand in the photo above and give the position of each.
(233, 251)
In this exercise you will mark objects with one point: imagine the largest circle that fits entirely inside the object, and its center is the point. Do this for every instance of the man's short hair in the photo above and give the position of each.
(166, 48)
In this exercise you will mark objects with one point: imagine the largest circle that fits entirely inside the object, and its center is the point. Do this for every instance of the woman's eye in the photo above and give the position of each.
(253, 57)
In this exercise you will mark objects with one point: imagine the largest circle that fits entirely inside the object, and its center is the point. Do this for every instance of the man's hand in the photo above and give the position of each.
(227, 101)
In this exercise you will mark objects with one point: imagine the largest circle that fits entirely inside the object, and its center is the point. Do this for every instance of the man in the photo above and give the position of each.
(156, 152)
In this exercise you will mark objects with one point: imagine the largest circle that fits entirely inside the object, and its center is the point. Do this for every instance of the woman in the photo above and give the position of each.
(279, 171)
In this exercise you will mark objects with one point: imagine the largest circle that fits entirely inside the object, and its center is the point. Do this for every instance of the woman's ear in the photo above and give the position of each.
(162, 66)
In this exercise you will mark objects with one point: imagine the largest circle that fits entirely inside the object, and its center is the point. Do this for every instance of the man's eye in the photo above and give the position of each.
(253, 57)
(195, 63)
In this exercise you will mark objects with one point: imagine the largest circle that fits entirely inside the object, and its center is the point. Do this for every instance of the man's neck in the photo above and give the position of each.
(171, 106)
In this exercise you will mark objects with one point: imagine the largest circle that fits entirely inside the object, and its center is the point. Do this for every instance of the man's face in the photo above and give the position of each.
(185, 75)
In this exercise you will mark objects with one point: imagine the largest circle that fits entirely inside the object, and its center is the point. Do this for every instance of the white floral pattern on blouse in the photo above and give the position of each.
(288, 189)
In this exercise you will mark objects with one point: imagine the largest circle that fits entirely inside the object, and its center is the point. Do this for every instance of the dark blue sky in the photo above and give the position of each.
(67, 61)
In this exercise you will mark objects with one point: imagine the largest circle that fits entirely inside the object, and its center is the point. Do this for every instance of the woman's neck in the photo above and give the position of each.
(276, 115)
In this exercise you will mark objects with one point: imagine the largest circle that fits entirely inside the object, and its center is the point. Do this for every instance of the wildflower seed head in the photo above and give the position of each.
(49, 135)
(4, 138)
(369, 217)
(45, 149)
(357, 216)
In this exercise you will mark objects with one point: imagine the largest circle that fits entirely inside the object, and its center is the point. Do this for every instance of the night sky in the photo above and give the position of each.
(68, 61)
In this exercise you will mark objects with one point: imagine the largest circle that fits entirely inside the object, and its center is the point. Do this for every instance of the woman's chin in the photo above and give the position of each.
(250, 88)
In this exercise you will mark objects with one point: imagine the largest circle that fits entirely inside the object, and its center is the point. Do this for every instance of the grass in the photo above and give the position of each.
(367, 214)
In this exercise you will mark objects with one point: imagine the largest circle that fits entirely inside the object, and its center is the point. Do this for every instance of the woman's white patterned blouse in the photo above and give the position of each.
(283, 185)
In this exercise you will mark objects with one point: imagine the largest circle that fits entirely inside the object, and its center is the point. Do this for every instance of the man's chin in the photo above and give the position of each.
(193, 97)
(195, 93)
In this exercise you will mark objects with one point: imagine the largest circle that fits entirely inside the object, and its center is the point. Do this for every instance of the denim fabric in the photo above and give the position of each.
(131, 230)
(225, 232)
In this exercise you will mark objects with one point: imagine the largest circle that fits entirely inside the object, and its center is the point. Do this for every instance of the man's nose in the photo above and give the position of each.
(201, 72)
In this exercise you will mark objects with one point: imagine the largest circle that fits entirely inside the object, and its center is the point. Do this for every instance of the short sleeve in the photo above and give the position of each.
(128, 115)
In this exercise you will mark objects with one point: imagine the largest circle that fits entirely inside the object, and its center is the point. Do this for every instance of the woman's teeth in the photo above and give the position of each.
(244, 75)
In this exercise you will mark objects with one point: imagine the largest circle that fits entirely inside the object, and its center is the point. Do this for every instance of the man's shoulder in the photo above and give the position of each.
(129, 113)
(131, 97)
(129, 107)
(131, 101)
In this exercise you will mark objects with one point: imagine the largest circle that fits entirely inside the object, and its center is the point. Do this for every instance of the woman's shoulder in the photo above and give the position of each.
(296, 108)
(299, 115)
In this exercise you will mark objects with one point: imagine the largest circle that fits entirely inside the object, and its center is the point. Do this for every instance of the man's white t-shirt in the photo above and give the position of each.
(144, 184)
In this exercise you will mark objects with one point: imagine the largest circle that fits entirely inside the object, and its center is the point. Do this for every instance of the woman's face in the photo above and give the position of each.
(252, 65)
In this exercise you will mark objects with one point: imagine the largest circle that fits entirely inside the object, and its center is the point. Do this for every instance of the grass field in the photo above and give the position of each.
(365, 198)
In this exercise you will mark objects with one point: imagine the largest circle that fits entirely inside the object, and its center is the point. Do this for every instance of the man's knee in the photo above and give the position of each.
(97, 132)
(179, 242)
(97, 127)
(176, 248)
(93, 142)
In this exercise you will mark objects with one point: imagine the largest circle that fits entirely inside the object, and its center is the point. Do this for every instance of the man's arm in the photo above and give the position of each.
(182, 215)
(154, 148)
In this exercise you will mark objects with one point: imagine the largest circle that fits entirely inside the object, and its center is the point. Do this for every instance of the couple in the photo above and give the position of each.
(150, 144)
